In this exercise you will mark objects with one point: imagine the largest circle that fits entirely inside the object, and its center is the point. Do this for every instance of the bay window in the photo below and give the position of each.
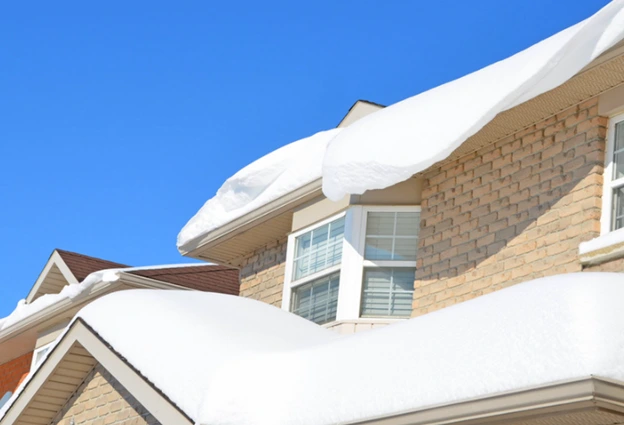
(358, 264)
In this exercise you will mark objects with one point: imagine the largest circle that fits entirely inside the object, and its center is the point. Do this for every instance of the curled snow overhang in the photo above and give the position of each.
(406, 138)
(550, 348)
(262, 190)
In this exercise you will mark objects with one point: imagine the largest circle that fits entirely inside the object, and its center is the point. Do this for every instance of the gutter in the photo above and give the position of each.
(589, 393)
(66, 304)
(240, 224)
(54, 310)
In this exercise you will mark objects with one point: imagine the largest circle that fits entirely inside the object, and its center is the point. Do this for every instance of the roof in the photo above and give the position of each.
(395, 143)
(203, 277)
(82, 265)
(408, 137)
(532, 338)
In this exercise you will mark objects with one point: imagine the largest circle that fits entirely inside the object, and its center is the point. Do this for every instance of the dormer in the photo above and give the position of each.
(64, 268)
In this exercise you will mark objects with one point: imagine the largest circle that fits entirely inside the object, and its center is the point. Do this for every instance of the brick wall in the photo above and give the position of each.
(262, 273)
(513, 211)
(102, 400)
(13, 371)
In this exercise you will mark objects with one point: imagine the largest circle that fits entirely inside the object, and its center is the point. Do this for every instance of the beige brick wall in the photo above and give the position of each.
(262, 273)
(101, 400)
(513, 211)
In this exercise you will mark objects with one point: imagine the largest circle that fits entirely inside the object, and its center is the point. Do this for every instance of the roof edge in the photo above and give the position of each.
(575, 394)
(240, 224)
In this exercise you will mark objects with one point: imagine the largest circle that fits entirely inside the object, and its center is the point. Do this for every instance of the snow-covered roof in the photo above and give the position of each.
(392, 144)
(403, 139)
(264, 180)
(76, 291)
(246, 362)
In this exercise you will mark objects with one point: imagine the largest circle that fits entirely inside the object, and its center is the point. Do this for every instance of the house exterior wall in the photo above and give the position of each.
(12, 372)
(512, 211)
(101, 399)
(262, 273)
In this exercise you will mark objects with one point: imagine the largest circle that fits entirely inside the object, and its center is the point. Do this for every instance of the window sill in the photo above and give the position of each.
(359, 325)
(607, 247)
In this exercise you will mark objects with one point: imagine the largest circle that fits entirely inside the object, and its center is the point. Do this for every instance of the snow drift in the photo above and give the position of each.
(392, 144)
(250, 363)
(269, 178)
(403, 139)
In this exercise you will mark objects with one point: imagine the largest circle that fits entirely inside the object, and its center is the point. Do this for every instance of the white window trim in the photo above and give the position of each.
(289, 285)
(610, 244)
(33, 363)
(353, 299)
(352, 264)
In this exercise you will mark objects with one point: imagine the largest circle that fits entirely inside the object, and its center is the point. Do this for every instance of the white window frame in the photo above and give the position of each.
(289, 284)
(609, 184)
(350, 294)
(35, 355)
(353, 263)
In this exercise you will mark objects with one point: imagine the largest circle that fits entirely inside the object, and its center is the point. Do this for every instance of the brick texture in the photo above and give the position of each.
(12, 372)
(262, 273)
(513, 211)
(101, 400)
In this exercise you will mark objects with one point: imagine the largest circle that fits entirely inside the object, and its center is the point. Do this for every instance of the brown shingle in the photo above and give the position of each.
(203, 277)
(221, 279)
(82, 265)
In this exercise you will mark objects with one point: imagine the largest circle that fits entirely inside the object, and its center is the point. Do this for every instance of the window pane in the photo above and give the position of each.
(405, 249)
(618, 151)
(380, 223)
(392, 236)
(318, 249)
(378, 249)
(317, 300)
(388, 291)
(408, 224)
(618, 208)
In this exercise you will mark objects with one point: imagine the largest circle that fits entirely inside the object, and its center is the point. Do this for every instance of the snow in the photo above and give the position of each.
(604, 241)
(207, 331)
(72, 291)
(24, 310)
(270, 177)
(246, 362)
(393, 144)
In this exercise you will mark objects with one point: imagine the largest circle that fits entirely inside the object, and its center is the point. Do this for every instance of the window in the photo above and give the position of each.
(5, 398)
(39, 355)
(315, 276)
(360, 263)
(390, 245)
(613, 195)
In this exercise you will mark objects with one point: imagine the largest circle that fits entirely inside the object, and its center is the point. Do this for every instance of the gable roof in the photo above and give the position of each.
(358, 110)
(524, 367)
(66, 267)
(82, 265)
(45, 392)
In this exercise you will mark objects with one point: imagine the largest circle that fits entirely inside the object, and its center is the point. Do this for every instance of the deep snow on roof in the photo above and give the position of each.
(392, 144)
(245, 362)
(264, 180)
(403, 139)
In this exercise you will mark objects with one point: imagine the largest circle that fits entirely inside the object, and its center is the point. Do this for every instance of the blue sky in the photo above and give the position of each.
(119, 120)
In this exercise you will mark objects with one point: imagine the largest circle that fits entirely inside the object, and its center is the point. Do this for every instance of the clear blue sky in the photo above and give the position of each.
(119, 120)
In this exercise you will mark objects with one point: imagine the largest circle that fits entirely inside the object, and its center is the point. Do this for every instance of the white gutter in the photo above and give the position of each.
(252, 218)
(57, 308)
